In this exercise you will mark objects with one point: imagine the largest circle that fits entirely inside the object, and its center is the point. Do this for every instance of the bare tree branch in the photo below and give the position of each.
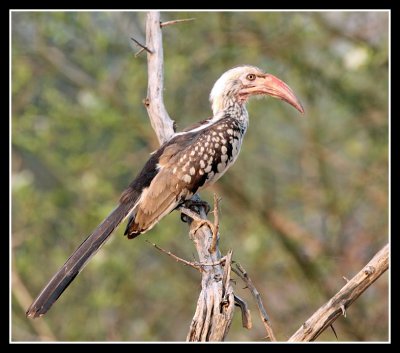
(162, 124)
(240, 271)
(196, 265)
(215, 228)
(168, 23)
(337, 305)
(246, 317)
(177, 258)
(143, 47)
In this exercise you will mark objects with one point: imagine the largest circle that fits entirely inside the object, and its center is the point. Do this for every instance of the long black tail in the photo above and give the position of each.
(66, 274)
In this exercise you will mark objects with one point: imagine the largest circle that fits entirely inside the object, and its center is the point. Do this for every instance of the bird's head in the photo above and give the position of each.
(243, 82)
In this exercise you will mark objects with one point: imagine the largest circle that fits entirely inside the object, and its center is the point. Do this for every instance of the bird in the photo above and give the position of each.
(188, 162)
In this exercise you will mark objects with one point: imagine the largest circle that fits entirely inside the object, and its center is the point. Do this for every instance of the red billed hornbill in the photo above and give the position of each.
(191, 160)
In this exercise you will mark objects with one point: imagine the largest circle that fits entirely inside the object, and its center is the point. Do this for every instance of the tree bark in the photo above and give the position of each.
(162, 124)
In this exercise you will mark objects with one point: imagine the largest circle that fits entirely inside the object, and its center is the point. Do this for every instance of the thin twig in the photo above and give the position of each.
(334, 331)
(240, 271)
(168, 23)
(216, 224)
(142, 46)
(246, 317)
(222, 260)
(197, 265)
(139, 52)
(226, 278)
(177, 258)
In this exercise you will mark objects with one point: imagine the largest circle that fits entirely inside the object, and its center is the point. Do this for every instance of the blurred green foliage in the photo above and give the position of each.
(305, 204)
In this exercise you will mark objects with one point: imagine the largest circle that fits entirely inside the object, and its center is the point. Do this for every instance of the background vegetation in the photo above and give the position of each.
(305, 204)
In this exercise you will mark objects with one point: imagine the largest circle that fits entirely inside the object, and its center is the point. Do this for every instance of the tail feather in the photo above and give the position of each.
(75, 263)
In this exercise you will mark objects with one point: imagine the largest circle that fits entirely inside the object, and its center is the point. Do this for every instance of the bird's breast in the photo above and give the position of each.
(211, 154)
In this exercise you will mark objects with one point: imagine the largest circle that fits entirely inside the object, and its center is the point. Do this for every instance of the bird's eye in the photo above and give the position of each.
(251, 77)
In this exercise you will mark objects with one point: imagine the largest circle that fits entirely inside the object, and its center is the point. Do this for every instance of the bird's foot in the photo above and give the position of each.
(195, 205)
(190, 210)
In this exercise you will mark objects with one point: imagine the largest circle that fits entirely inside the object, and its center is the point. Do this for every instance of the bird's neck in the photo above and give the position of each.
(224, 101)
(231, 108)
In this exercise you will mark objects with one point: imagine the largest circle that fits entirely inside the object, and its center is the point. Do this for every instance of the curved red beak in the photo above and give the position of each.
(274, 87)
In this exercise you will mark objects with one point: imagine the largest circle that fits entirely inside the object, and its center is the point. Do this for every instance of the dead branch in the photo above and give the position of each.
(162, 124)
(143, 47)
(196, 265)
(177, 258)
(295, 239)
(337, 305)
(215, 228)
(168, 23)
(240, 271)
(246, 317)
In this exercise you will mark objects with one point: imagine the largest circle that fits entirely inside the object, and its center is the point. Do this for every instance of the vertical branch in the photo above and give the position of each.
(162, 124)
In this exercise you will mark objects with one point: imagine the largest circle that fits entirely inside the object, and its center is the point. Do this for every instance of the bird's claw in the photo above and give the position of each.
(195, 205)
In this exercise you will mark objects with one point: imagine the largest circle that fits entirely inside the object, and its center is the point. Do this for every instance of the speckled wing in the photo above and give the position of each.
(172, 184)
(164, 193)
